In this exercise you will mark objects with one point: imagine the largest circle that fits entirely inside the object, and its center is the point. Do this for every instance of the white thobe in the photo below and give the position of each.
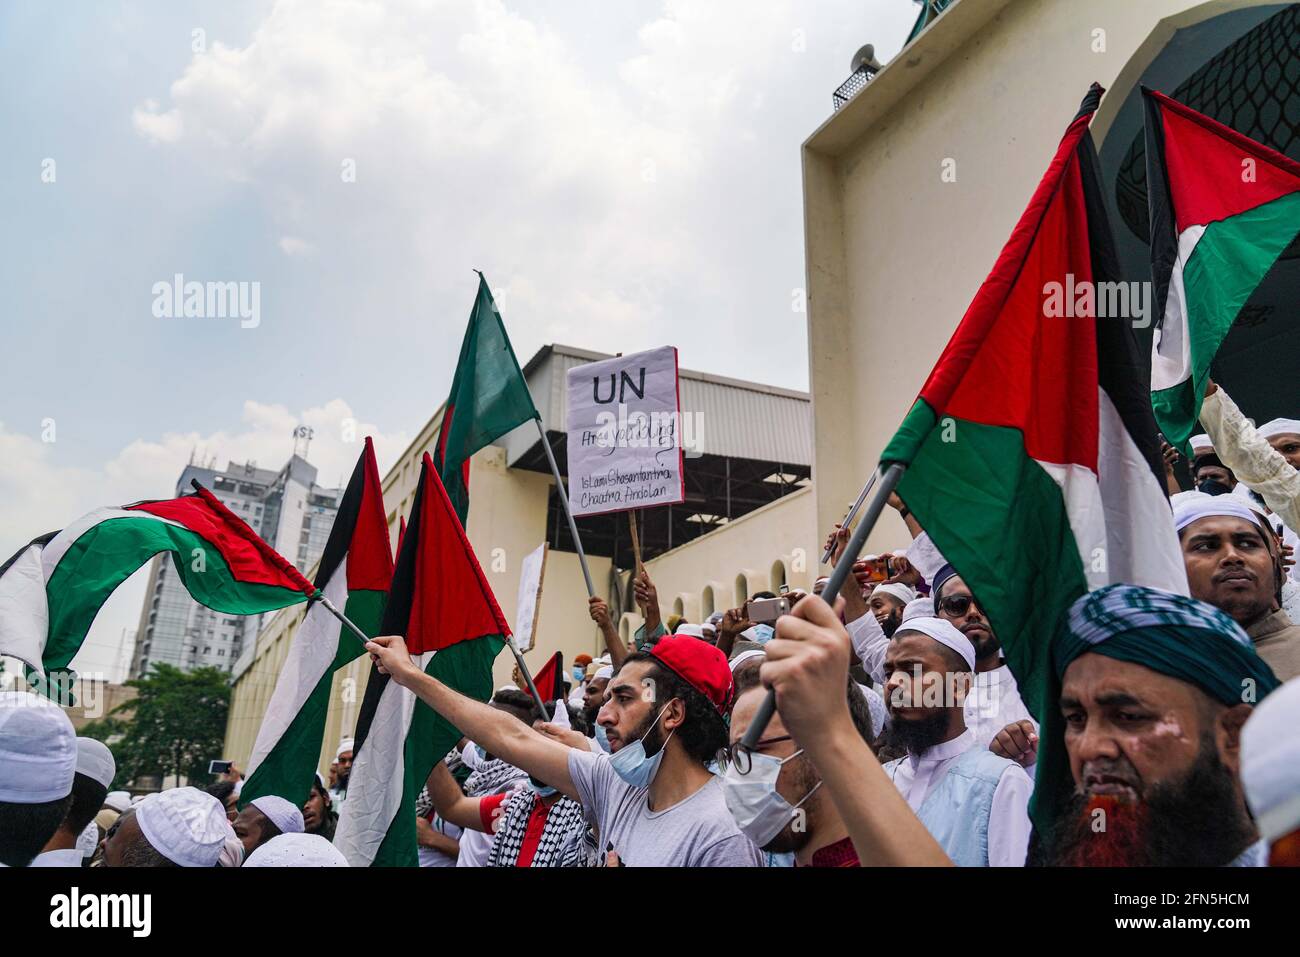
(65, 857)
(993, 703)
(916, 776)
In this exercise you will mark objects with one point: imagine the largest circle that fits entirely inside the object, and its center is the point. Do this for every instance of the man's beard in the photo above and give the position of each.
(986, 644)
(891, 622)
(342, 779)
(590, 715)
(1196, 821)
(914, 735)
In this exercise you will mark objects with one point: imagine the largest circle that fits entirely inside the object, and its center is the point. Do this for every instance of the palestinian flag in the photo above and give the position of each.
(51, 590)
(1223, 208)
(441, 602)
(550, 680)
(489, 398)
(355, 571)
(1032, 456)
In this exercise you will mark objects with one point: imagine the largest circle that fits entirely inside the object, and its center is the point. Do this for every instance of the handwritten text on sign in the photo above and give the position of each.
(625, 448)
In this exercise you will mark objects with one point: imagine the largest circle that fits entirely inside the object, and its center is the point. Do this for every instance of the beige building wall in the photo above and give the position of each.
(894, 253)
(507, 521)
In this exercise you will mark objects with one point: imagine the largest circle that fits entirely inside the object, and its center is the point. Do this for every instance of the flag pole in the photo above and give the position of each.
(528, 677)
(853, 511)
(889, 478)
(564, 503)
(330, 607)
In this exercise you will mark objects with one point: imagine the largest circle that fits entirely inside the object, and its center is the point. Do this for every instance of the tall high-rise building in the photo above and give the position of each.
(287, 508)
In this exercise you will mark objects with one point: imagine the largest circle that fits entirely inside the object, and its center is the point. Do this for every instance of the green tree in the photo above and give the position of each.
(175, 724)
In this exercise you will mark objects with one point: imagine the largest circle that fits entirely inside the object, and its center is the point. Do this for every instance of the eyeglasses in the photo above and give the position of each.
(742, 756)
(959, 605)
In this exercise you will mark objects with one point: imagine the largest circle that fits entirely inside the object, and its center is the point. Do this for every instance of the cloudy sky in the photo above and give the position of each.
(625, 173)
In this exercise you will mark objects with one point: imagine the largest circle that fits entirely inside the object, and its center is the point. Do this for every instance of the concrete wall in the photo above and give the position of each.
(894, 252)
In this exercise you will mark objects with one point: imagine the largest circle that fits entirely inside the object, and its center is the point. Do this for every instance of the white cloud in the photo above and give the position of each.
(482, 138)
(38, 494)
(294, 247)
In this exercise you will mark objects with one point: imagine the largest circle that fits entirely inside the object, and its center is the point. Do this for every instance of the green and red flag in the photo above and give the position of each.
(1223, 208)
(1032, 455)
(52, 588)
(441, 602)
(354, 573)
(488, 398)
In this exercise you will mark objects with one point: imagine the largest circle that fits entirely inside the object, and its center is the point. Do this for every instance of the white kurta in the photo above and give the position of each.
(993, 703)
(916, 776)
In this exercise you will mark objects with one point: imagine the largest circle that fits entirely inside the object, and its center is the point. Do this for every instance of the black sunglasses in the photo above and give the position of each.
(958, 605)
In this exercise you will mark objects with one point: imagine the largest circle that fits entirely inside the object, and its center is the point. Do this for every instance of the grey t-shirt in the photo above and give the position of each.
(696, 832)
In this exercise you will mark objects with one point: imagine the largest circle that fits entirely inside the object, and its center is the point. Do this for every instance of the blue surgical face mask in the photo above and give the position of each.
(578, 672)
(541, 790)
(633, 765)
(602, 738)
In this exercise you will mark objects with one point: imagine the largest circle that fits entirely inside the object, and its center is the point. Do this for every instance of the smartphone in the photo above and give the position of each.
(765, 611)
(870, 570)
(219, 767)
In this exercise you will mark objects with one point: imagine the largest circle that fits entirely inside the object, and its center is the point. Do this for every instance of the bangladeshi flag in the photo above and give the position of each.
(1223, 208)
(441, 602)
(51, 589)
(1031, 453)
(354, 573)
(488, 398)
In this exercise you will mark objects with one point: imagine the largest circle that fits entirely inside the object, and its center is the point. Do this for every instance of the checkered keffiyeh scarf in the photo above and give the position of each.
(493, 777)
(564, 836)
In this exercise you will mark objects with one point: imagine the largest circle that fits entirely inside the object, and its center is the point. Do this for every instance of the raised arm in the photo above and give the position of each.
(450, 801)
(599, 612)
(807, 663)
(500, 733)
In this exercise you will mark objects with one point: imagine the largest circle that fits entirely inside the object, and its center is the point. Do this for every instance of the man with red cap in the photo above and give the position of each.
(653, 800)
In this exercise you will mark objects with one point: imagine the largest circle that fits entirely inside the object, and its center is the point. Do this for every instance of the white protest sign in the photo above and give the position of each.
(530, 597)
(624, 424)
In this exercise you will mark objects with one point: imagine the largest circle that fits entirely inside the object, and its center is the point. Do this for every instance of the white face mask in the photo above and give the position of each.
(752, 798)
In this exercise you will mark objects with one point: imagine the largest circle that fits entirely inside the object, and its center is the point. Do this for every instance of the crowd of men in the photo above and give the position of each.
(901, 737)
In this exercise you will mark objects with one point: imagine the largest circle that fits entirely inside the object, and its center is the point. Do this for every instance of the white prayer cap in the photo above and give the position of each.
(1279, 427)
(602, 660)
(746, 655)
(119, 801)
(88, 840)
(904, 593)
(297, 850)
(344, 745)
(943, 632)
(606, 672)
(95, 761)
(1270, 762)
(283, 814)
(561, 719)
(1201, 441)
(918, 608)
(708, 628)
(38, 749)
(686, 628)
(1190, 509)
(185, 825)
